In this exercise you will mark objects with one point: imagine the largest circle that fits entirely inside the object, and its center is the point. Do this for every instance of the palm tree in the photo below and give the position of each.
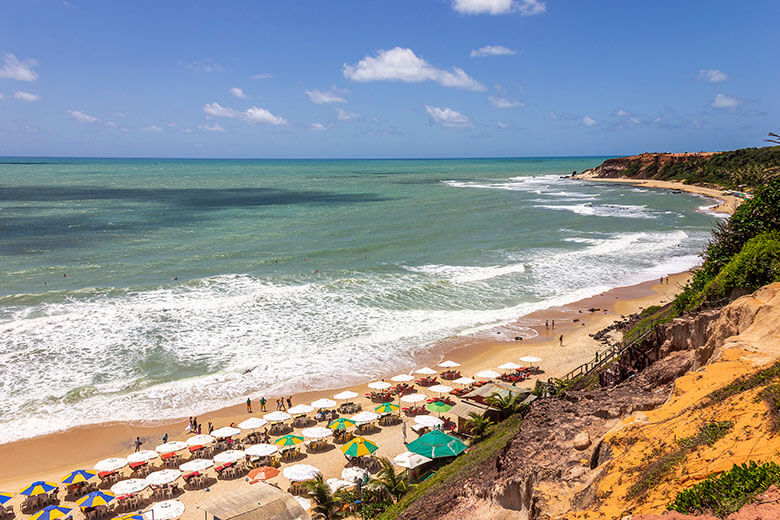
(775, 140)
(506, 404)
(327, 505)
(479, 424)
(390, 481)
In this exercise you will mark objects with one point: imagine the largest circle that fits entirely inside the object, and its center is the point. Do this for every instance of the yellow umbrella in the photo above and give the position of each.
(358, 447)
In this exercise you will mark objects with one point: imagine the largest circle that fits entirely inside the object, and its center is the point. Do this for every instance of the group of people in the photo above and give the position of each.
(280, 403)
(262, 404)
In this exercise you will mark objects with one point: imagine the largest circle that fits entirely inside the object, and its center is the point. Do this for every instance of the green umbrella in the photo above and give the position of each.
(386, 408)
(341, 424)
(436, 444)
(358, 447)
(288, 440)
(438, 407)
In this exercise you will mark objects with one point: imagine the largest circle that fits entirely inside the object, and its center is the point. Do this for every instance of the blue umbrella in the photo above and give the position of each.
(96, 498)
(50, 513)
(77, 476)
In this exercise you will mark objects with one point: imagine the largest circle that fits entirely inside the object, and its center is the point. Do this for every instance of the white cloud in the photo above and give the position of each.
(321, 98)
(402, 64)
(724, 101)
(217, 110)
(524, 7)
(250, 115)
(623, 113)
(317, 127)
(239, 93)
(447, 117)
(265, 75)
(501, 124)
(712, 75)
(26, 96)
(18, 70)
(344, 115)
(492, 50)
(628, 116)
(588, 121)
(83, 117)
(205, 66)
(152, 128)
(504, 102)
(216, 127)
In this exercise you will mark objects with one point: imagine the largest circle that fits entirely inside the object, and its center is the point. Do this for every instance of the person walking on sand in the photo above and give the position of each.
(403, 430)
(561, 339)
(138, 444)
(262, 404)
(211, 427)
(289, 402)
(248, 405)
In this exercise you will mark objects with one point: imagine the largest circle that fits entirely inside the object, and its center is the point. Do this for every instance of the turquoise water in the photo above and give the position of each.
(193, 283)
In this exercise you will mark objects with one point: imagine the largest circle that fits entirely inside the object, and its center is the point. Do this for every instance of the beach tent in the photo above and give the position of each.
(259, 501)
(436, 444)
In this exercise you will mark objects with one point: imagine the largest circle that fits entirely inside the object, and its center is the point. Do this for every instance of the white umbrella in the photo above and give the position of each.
(200, 440)
(316, 432)
(305, 503)
(277, 416)
(162, 477)
(379, 385)
(440, 389)
(509, 366)
(167, 510)
(365, 417)
(335, 484)
(142, 456)
(530, 359)
(449, 364)
(488, 374)
(252, 423)
(229, 456)
(402, 378)
(261, 450)
(425, 371)
(346, 394)
(170, 447)
(300, 409)
(129, 486)
(225, 432)
(354, 474)
(323, 403)
(196, 465)
(464, 381)
(112, 464)
(409, 460)
(413, 398)
(428, 420)
(300, 472)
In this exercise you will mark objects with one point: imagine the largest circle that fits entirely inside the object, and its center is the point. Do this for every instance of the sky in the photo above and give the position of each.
(362, 78)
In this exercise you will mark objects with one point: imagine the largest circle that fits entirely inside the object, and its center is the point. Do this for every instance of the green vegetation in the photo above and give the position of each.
(508, 404)
(649, 317)
(479, 425)
(743, 384)
(750, 167)
(727, 492)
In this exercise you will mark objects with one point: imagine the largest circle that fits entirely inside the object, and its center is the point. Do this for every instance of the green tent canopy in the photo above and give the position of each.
(438, 407)
(436, 445)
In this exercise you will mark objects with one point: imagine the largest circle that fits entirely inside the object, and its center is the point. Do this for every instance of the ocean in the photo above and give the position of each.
(140, 289)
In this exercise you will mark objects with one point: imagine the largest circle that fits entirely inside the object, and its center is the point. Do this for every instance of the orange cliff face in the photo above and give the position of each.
(639, 166)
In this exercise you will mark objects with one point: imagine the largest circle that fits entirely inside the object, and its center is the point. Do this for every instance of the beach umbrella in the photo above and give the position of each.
(141, 456)
(436, 444)
(74, 477)
(253, 423)
(358, 447)
(364, 417)
(425, 371)
(402, 378)
(39, 487)
(509, 366)
(110, 464)
(355, 474)
(428, 420)
(530, 359)
(229, 456)
(448, 364)
(305, 503)
(130, 516)
(167, 510)
(410, 460)
(379, 385)
(5, 497)
(95, 498)
(170, 447)
(464, 381)
(440, 389)
(129, 486)
(488, 374)
(413, 398)
(300, 472)
(225, 432)
(261, 450)
(162, 477)
(196, 465)
(263, 473)
(50, 513)
(342, 423)
(300, 409)
(323, 403)
(316, 432)
(438, 407)
(288, 440)
(201, 440)
(277, 417)
(336, 483)
(345, 395)
(386, 408)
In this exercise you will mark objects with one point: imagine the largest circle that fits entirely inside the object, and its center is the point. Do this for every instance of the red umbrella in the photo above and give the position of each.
(263, 473)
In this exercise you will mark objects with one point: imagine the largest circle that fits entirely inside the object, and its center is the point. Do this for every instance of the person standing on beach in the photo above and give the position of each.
(403, 430)
(289, 402)
(262, 404)
(211, 427)
(553, 323)
(199, 429)
(248, 405)
(561, 339)
(165, 438)
(138, 443)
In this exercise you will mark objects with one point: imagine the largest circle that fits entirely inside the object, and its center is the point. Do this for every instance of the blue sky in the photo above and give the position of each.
(420, 78)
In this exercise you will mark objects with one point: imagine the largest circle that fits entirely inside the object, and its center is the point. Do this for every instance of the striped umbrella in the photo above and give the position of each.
(50, 513)
(386, 408)
(80, 475)
(358, 447)
(5, 497)
(96, 498)
(342, 423)
(38, 487)
(263, 473)
(130, 516)
(288, 440)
